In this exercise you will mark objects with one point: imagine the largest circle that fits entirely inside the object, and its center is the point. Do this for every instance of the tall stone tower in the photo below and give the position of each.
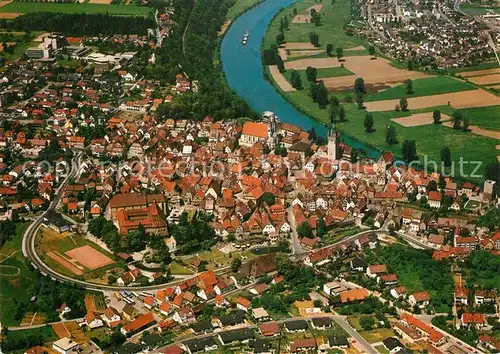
(332, 143)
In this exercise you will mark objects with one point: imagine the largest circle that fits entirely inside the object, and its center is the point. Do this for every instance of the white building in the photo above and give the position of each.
(65, 345)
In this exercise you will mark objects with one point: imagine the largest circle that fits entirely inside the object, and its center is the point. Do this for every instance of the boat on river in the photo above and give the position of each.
(245, 38)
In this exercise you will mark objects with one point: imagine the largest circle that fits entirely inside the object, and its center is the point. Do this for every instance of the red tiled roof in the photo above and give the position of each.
(433, 334)
(139, 322)
(421, 296)
(377, 268)
(255, 129)
(126, 200)
(473, 318)
(269, 328)
(243, 302)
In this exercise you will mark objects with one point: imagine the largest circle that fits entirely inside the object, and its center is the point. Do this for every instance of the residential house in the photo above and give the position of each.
(422, 299)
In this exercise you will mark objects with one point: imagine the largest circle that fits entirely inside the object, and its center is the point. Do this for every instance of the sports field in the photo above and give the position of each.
(385, 85)
(73, 255)
(88, 8)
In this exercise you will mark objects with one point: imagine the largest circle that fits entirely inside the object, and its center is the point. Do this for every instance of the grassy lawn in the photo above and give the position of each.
(354, 322)
(45, 332)
(69, 63)
(331, 30)
(337, 235)
(14, 287)
(422, 87)
(473, 9)
(16, 242)
(382, 349)
(481, 66)
(27, 7)
(484, 117)
(240, 6)
(377, 335)
(179, 269)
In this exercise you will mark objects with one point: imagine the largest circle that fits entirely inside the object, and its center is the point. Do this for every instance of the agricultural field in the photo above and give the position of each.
(322, 73)
(385, 84)
(331, 30)
(485, 117)
(87, 8)
(422, 87)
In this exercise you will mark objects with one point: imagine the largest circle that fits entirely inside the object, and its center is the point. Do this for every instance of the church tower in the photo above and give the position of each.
(332, 143)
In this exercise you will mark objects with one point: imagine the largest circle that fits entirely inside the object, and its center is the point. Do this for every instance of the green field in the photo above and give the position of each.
(87, 8)
(331, 30)
(484, 117)
(239, 7)
(43, 335)
(377, 335)
(322, 73)
(422, 87)
(13, 288)
(179, 269)
(473, 9)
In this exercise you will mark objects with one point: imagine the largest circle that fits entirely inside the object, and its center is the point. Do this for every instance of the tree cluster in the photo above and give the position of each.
(195, 55)
(193, 235)
(80, 24)
(7, 230)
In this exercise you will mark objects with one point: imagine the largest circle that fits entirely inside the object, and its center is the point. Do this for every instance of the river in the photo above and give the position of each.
(243, 67)
(244, 73)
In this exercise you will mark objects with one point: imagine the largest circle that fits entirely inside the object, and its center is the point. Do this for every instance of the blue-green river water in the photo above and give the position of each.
(244, 73)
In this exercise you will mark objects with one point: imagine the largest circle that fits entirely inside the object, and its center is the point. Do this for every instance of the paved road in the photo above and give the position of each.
(186, 29)
(296, 246)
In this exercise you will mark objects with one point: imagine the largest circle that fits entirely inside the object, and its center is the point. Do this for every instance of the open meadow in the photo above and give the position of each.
(15, 278)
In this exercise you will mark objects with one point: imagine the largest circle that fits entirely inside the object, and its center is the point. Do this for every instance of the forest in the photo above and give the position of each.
(49, 295)
(214, 97)
(417, 271)
(483, 269)
(80, 24)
